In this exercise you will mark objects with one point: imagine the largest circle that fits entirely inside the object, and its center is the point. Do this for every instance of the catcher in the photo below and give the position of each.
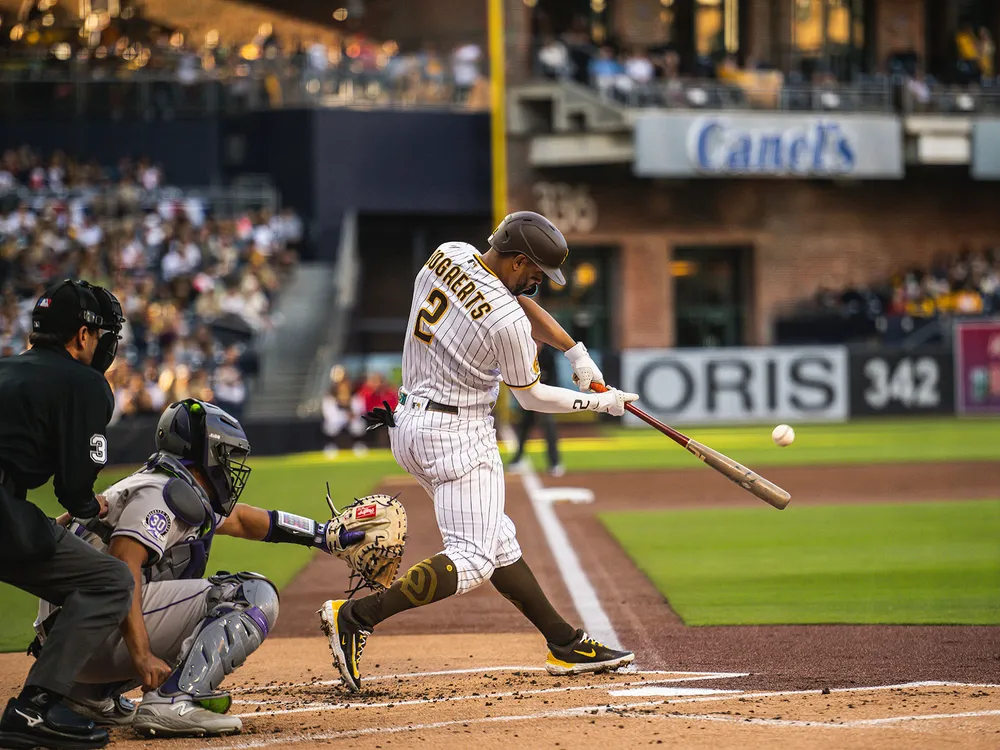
(185, 633)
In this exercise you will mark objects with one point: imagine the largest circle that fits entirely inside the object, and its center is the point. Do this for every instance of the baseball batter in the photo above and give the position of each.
(470, 327)
(184, 634)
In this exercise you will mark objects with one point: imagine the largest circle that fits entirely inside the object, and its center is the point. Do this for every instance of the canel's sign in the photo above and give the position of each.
(720, 144)
(820, 148)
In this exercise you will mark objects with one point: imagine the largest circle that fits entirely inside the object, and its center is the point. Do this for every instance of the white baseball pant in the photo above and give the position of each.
(457, 461)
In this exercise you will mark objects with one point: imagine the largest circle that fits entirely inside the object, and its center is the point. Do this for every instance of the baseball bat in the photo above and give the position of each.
(732, 470)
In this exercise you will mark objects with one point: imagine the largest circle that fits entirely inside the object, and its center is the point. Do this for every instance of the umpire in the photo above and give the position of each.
(56, 405)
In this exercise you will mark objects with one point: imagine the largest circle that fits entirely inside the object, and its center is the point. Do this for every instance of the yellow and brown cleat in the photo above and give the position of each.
(347, 640)
(584, 654)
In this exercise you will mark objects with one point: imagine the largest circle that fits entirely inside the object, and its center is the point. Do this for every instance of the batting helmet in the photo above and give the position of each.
(534, 236)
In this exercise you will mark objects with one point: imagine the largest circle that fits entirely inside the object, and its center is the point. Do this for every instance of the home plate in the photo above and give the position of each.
(668, 692)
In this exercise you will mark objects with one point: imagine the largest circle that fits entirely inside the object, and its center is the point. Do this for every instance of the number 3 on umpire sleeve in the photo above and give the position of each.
(99, 449)
(435, 306)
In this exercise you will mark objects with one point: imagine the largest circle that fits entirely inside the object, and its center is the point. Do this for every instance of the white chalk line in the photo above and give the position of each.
(327, 706)
(585, 599)
(472, 670)
(621, 709)
(852, 724)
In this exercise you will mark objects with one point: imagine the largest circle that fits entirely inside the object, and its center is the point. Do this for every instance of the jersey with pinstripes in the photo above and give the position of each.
(466, 331)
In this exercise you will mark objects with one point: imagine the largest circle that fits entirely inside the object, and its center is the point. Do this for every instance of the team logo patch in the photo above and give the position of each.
(157, 523)
(367, 511)
(534, 367)
(44, 302)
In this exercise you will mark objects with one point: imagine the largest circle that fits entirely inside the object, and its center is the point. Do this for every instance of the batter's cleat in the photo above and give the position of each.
(108, 712)
(347, 640)
(584, 654)
(181, 716)
(42, 722)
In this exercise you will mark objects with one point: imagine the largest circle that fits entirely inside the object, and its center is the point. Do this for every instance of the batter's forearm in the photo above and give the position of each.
(544, 327)
(549, 399)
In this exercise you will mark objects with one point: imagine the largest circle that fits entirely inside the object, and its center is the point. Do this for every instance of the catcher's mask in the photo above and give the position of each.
(212, 441)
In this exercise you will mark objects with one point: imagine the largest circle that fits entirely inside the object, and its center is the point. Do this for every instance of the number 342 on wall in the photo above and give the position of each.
(569, 207)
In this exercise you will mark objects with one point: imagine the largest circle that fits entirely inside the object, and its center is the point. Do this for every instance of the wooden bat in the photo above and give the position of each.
(732, 470)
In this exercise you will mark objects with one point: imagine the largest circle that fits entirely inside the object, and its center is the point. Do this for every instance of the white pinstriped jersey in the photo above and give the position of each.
(466, 332)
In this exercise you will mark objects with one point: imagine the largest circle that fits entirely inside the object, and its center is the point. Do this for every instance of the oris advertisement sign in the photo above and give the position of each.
(701, 386)
(767, 145)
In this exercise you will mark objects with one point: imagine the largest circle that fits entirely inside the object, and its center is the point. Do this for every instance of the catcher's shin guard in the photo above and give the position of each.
(243, 607)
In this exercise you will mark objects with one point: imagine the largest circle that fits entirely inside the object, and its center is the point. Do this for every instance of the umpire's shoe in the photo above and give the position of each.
(116, 711)
(43, 721)
(347, 640)
(584, 654)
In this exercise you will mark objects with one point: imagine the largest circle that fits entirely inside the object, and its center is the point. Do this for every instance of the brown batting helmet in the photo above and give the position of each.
(534, 236)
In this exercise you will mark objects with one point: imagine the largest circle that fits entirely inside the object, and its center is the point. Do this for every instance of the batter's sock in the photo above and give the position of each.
(429, 581)
(518, 585)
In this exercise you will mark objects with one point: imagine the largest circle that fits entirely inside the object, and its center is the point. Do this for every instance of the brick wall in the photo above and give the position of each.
(802, 234)
(899, 27)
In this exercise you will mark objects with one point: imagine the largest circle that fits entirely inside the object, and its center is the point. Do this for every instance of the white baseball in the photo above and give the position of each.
(783, 435)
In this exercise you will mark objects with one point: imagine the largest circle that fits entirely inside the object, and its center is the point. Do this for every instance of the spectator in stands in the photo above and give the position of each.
(554, 59)
(968, 54)
(230, 390)
(604, 71)
(987, 53)
(465, 70)
(343, 423)
(638, 76)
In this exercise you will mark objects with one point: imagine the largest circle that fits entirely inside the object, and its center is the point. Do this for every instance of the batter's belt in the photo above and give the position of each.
(425, 404)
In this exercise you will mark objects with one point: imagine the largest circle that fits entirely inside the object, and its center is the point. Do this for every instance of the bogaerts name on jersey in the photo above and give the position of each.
(458, 281)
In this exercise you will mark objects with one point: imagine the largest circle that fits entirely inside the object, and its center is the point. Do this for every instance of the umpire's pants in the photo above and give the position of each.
(94, 591)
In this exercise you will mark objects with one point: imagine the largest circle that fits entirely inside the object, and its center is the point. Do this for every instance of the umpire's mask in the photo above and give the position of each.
(65, 306)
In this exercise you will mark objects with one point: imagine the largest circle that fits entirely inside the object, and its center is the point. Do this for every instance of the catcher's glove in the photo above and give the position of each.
(375, 559)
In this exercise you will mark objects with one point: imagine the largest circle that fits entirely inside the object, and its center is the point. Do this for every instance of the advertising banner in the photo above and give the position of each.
(902, 382)
(977, 367)
(677, 144)
(703, 386)
(985, 149)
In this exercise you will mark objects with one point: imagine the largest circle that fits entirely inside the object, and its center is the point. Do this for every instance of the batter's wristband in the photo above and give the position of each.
(288, 528)
(576, 352)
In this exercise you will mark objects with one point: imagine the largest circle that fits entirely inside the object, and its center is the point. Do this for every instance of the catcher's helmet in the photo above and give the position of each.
(536, 237)
(211, 440)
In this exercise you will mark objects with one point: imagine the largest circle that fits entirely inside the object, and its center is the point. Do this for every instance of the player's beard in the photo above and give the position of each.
(527, 290)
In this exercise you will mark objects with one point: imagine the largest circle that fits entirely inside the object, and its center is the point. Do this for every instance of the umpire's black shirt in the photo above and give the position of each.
(54, 414)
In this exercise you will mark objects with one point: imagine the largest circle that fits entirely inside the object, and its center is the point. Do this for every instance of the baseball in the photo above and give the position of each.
(783, 435)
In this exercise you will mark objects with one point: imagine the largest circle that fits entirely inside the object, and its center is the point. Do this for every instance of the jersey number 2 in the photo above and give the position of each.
(434, 307)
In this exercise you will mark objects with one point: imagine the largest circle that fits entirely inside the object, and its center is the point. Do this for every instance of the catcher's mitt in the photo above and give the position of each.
(374, 560)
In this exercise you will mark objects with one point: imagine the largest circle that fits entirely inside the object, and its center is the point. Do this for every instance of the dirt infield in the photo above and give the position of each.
(468, 671)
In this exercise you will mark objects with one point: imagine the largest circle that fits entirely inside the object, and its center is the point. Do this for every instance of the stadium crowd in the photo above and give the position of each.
(657, 75)
(966, 283)
(196, 284)
(289, 67)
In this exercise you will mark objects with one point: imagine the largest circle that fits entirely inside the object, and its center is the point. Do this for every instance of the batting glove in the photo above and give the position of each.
(613, 401)
(378, 417)
(585, 370)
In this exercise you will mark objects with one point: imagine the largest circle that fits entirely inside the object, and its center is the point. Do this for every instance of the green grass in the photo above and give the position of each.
(875, 441)
(296, 484)
(917, 563)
